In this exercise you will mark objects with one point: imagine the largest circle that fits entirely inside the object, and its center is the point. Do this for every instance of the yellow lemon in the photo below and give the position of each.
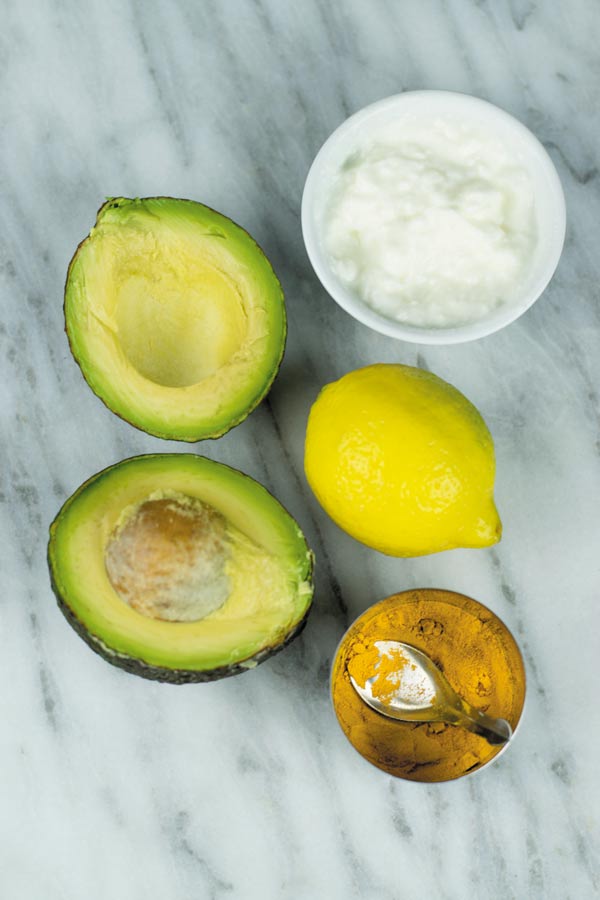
(403, 462)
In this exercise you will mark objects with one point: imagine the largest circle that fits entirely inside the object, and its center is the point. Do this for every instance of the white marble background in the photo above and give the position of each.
(112, 787)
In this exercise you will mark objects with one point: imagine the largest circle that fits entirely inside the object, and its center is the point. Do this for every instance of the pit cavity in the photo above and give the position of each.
(176, 333)
(167, 559)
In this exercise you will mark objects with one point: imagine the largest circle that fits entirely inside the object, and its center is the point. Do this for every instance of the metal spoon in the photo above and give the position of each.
(421, 693)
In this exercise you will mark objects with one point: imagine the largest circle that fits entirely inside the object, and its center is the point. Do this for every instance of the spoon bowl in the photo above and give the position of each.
(407, 685)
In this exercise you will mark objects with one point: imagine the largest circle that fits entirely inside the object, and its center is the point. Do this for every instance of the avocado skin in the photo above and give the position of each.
(168, 436)
(161, 673)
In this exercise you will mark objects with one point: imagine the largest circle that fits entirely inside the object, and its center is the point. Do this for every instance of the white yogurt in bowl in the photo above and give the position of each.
(434, 217)
(431, 222)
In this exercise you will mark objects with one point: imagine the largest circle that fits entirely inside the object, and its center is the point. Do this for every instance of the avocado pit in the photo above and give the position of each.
(167, 559)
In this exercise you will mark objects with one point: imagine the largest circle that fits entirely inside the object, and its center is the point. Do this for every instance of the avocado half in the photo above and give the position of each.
(175, 317)
(180, 569)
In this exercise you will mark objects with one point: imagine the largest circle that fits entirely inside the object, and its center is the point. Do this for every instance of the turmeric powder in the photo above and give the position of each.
(467, 642)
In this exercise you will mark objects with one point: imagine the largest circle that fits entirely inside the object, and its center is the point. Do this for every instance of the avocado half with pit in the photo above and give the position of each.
(180, 569)
(175, 317)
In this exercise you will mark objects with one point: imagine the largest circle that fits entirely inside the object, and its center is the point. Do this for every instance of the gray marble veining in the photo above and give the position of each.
(114, 787)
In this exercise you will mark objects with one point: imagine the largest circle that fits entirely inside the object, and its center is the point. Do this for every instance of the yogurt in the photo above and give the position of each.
(431, 222)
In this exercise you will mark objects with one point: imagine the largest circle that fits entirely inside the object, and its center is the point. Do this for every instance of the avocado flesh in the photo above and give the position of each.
(267, 566)
(175, 316)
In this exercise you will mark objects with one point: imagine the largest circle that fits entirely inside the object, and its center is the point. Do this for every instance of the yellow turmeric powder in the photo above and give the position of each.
(467, 642)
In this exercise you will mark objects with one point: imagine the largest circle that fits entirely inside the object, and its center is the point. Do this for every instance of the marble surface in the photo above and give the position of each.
(116, 787)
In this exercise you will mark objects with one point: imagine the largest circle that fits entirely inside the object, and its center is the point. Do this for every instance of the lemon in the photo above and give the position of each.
(403, 462)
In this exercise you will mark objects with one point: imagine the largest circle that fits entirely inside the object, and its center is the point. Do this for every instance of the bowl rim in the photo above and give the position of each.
(508, 312)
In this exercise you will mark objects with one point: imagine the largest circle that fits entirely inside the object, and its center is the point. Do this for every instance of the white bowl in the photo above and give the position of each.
(548, 195)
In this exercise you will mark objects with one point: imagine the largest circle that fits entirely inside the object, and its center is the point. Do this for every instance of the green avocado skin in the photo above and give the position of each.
(161, 673)
(205, 431)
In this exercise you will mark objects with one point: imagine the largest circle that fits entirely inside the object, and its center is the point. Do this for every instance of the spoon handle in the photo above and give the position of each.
(495, 731)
